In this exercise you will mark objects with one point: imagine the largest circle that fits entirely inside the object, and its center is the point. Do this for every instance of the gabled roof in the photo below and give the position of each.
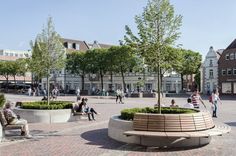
(232, 45)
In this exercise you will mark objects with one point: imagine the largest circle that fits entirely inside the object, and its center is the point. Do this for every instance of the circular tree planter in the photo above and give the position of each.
(45, 116)
(166, 130)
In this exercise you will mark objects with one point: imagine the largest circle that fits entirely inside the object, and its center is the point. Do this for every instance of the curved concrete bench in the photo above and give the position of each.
(177, 134)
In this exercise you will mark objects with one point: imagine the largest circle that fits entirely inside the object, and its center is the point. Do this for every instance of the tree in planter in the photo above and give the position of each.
(77, 64)
(48, 53)
(158, 28)
(190, 63)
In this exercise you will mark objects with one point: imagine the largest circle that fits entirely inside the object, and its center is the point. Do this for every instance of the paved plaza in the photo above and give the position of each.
(89, 138)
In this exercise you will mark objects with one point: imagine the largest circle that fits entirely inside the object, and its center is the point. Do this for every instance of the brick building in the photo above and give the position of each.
(227, 70)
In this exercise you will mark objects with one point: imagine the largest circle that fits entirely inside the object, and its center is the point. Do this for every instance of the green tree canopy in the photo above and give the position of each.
(158, 28)
(77, 64)
(48, 52)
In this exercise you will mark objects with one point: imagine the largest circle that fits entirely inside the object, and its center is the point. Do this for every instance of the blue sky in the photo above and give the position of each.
(205, 22)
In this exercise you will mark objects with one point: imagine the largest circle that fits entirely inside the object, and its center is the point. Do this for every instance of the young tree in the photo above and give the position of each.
(48, 53)
(77, 64)
(158, 28)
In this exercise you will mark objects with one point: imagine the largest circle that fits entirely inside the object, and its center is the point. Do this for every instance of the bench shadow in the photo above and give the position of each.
(231, 124)
(99, 137)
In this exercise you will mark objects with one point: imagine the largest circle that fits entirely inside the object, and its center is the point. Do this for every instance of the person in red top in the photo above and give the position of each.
(195, 97)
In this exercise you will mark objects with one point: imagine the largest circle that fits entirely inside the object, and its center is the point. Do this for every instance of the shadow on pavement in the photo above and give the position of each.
(100, 137)
(231, 123)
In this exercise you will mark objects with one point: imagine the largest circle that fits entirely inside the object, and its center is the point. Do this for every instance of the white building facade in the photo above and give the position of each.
(70, 82)
(12, 55)
(209, 71)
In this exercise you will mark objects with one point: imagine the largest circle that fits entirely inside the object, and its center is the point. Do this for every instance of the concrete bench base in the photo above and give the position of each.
(79, 116)
(122, 130)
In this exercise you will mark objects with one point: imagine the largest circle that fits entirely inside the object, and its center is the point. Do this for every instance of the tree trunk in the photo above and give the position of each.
(101, 75)
(24, 81)
(111, 81)
(123, 80)
(161, 82)
(48, 92)
(182, 81)
(14, 80)
(7, 83)
(82, 77)
(159, 87)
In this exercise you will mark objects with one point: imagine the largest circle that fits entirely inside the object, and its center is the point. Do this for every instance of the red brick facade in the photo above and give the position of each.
(227, 70)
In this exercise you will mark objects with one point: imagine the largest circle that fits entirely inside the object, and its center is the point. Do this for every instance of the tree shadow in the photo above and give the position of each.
(231, 124)
(100, 137)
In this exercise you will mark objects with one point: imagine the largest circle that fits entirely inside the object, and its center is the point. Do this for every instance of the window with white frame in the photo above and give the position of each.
(69, 45)
(227, 56)
(211, 73)
(223, 72)
(211, 63)
(229, 71)
(234, 71)
(77, 46)
(232, 56)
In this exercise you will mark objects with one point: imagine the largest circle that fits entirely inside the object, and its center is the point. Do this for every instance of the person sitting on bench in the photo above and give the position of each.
(13, 119)
(83, 108)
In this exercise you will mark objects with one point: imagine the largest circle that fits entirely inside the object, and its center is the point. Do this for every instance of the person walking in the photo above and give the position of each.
(215, 98)
(29, 91)
(78, 94)
(195, 98)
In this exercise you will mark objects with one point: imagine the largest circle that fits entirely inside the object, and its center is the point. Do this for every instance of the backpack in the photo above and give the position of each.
(210, 98)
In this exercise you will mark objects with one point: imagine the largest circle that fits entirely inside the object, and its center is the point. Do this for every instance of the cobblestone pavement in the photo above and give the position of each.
(90, 138)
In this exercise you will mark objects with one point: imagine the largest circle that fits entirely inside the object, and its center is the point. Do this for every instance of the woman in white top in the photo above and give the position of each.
(215, 99)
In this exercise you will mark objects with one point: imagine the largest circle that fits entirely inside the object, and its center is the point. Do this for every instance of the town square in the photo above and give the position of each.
(150, 77)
